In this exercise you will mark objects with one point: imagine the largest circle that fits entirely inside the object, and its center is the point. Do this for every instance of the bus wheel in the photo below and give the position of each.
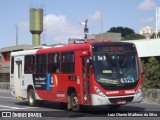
(31, 98)
(114, 107)
(74, 102)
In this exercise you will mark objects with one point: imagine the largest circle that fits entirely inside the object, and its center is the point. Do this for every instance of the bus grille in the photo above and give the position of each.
(115, 100)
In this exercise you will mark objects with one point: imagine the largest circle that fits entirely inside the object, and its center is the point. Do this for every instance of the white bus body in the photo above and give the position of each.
(19, 81)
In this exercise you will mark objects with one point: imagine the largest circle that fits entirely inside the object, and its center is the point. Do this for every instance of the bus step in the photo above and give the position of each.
(20, 98)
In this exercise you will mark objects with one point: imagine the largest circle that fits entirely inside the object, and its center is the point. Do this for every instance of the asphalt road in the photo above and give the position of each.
(56, 110)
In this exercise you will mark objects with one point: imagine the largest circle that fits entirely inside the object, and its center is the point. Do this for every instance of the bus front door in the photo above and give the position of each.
(86, 80)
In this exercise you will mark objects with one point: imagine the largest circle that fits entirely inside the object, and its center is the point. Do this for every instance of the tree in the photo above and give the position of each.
(134, 37)
(123, 30)
(151, 76)
(154, 35)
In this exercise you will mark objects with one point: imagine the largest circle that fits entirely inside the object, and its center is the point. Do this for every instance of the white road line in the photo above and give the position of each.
(7, 97)
(16, 107)
(5, 109)
(9, 107)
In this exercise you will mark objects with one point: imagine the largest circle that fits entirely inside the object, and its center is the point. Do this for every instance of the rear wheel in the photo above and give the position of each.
(74, 102)
(31, 98)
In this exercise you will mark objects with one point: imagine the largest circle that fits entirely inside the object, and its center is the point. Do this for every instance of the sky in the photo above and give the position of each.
(62, 18)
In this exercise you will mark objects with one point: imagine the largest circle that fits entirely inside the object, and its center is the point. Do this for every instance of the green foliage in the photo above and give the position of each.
(123, 30)
(134, 37)
(151, 76)
(154, 35)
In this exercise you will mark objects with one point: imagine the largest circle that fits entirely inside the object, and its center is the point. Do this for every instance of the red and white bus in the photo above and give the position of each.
(90, 73)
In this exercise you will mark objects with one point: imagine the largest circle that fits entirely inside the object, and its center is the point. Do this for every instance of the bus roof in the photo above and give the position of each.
(61, 48)
(72, 47)
(22, 53)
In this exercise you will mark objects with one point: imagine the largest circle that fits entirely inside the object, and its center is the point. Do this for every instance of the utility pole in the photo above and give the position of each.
(16, 35)
(157, 21)
(101, 25)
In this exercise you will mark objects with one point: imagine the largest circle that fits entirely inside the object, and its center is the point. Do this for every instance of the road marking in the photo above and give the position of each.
(8, 97)
(5, 109)
(16, 107)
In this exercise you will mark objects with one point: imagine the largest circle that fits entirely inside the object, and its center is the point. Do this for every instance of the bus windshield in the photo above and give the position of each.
(115, 67)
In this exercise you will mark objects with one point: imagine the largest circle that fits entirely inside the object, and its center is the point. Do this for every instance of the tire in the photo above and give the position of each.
(74, 102)
(31, 98)
(114, 107)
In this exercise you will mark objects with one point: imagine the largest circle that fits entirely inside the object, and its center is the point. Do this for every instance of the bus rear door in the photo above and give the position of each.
(18, 78)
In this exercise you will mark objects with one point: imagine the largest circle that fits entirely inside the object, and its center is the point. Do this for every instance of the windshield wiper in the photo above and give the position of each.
(124, 61)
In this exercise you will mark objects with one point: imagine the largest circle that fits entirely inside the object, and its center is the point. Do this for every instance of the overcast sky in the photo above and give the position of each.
(62, 18)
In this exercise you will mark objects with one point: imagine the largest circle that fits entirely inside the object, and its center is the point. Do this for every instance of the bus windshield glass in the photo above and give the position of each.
(115, 67)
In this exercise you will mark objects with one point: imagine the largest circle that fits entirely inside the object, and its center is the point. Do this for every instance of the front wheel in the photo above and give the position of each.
(31, 98)
(74, 102)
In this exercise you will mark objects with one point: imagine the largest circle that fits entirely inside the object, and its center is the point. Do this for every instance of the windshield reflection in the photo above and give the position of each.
(115, 68)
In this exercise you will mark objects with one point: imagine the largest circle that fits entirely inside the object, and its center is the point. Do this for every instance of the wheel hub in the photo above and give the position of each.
(31, 99)
(75, 101)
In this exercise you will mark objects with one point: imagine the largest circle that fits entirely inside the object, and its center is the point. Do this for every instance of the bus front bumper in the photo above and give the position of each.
(100, 100)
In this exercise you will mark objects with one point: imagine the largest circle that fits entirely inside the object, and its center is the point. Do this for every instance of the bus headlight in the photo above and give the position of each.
(99, 92)
(139, 89)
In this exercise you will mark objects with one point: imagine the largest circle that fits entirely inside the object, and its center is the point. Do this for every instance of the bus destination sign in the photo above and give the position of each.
(113, 48)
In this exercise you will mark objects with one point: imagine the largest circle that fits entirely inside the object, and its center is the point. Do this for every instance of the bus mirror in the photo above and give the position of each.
(90, 61)
(91, 69)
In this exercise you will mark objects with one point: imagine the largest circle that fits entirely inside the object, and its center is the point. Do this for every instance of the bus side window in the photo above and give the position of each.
(68, 62)
(41, 64)
(29, 64)
(53, 63)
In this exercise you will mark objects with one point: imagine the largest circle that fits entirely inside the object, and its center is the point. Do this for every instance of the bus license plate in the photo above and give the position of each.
(121, 102)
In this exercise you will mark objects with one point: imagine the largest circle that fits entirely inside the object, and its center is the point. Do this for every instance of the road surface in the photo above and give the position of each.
(56, 110)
